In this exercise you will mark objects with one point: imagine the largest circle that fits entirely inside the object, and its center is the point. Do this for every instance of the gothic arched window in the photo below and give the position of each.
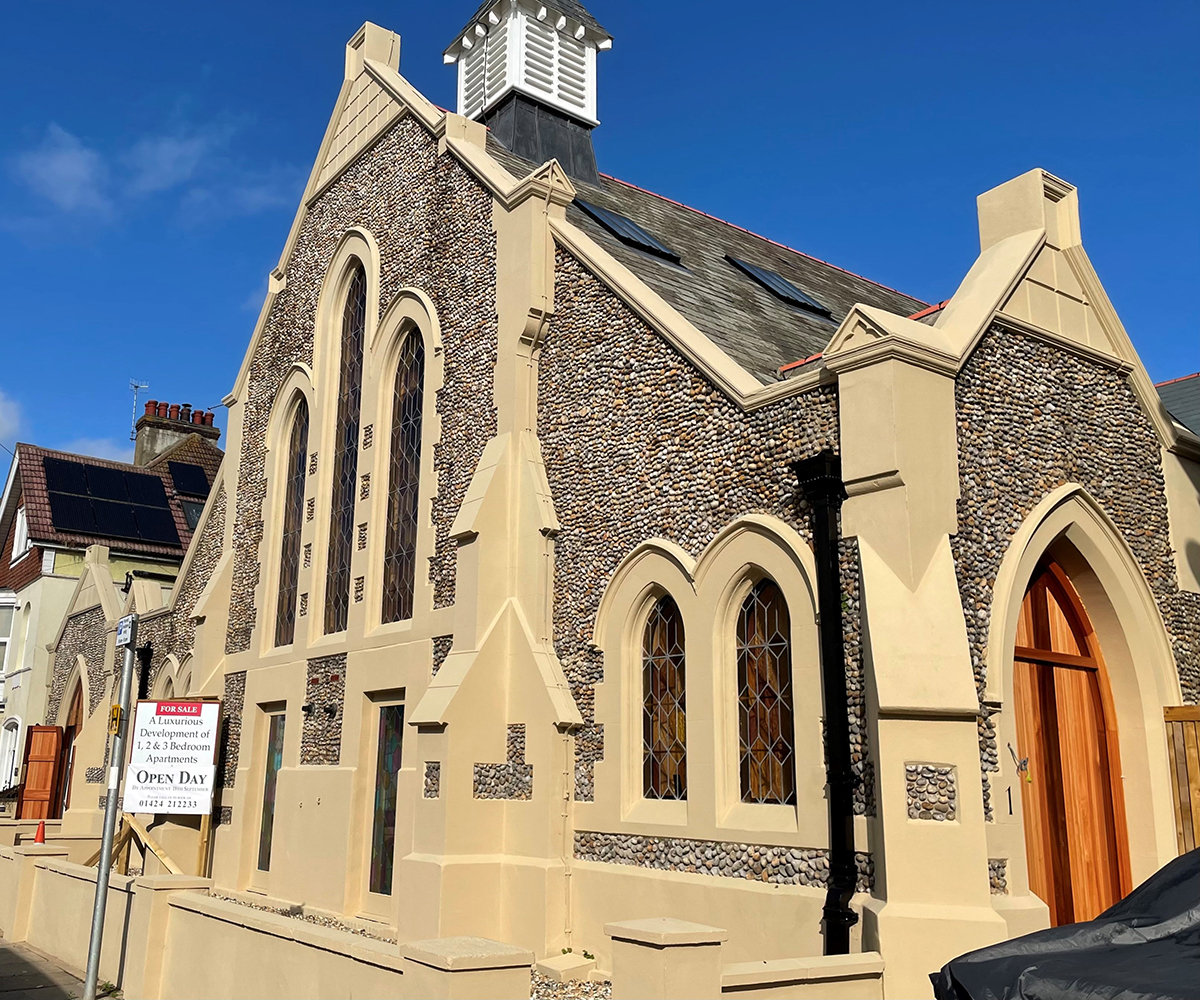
(404, 480)
(765, 721)
(345, 454)
(664, 721)
(293, 523)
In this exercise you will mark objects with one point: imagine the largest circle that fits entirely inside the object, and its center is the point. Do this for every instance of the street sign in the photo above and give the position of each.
(172, 766)
(124, 630)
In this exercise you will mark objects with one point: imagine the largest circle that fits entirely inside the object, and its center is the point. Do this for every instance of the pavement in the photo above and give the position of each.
(26, 974)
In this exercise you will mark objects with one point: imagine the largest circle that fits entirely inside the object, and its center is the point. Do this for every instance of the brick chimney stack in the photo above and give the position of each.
(166, 424)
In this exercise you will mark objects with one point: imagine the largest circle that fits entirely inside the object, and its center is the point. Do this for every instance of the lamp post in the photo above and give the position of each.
(127, 630)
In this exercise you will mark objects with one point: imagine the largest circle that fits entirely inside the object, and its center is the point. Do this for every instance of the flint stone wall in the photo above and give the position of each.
(432, 221)
(638, 444)
(84, 636)
(1032, 417)
(754, 862)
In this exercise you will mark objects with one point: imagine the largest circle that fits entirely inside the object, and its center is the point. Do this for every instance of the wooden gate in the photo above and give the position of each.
(1183, 749)
(1075, 839)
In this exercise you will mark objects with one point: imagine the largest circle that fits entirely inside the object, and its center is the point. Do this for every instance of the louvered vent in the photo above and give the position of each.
(531, 49)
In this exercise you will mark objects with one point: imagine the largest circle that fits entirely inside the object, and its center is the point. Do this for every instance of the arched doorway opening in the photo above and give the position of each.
(1073, 802)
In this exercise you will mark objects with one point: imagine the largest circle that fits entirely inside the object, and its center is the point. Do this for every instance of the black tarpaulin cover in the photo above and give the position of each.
(1147, 946)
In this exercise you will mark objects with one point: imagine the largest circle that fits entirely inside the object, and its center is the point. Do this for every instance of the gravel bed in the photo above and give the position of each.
(296, 913)
(542, 988)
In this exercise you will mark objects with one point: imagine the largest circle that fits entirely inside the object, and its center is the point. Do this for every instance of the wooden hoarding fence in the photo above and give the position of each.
(1183, 757)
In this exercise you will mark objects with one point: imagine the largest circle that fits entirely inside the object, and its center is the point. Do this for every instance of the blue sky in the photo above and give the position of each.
(153, 156)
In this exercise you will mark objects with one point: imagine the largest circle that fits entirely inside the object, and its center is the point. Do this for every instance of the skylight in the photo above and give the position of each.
(776, 283)
(628, 231)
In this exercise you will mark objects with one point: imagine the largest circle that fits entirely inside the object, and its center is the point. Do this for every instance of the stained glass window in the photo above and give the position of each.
(387, 767)
(765, 720)
(293, 522)
(664, 728)
(274, 762)
(400, 552)
(345, 459)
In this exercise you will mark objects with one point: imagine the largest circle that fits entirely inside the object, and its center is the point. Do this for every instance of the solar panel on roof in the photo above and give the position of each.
(775, 282)
(72, 513)
(628, 231)
(115, 519)
(156, 525)
(65, 477)
(105, 483)
(146, 489)
(189, 479)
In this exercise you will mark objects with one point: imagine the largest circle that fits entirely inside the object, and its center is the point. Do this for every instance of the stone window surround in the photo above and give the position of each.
(410, 310)
(707, 590)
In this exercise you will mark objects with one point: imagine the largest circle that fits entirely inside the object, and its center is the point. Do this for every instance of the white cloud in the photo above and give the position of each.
(247, 193)
(66, 172)
(113, 449)
(162, 162)
(10, 419)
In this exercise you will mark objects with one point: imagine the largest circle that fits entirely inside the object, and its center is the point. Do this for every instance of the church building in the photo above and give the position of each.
(577, 557)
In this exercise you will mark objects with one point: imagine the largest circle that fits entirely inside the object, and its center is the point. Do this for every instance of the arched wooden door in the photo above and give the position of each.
(1074, 807)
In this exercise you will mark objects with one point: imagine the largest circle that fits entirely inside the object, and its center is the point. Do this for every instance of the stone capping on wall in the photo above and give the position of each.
(932, 791)
(511, 780)
(355, 946)
(773, 864)
(325, 687)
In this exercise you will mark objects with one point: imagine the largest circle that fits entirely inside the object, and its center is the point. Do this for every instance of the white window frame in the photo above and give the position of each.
(21, 544)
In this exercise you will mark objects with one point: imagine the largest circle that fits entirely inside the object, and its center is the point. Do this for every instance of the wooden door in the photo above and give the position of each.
(40, 788)
(1183, 758)
(66, 767)
(1073, 803)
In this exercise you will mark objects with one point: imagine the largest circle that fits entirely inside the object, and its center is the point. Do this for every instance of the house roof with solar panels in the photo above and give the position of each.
(72, 501)
(528, 72)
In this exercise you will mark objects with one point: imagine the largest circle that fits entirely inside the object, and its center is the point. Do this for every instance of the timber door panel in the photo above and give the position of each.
(40, 789)
(1072, 798)
(1183, 758)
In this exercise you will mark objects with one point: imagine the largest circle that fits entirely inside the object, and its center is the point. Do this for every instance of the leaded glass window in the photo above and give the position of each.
(400, 552)
(293, 523)
(765, 720)
(664, 729)
(387, 767)
(345, 459)
(274, 763)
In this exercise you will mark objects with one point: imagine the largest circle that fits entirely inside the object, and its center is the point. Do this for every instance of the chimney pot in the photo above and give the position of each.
(162, 409)
(208, 419)
(185, 413)
(174, 411)
(151, 407)
(197, 416)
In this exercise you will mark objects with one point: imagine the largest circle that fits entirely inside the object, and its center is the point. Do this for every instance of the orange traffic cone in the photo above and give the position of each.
(40, 836)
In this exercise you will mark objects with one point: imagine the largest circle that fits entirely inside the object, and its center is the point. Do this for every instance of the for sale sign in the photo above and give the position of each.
(172, 763)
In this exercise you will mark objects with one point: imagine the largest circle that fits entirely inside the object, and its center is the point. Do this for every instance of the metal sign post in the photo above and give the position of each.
(127, 630)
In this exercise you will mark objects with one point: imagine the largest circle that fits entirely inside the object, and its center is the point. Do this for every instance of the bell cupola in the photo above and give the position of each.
(527, 70)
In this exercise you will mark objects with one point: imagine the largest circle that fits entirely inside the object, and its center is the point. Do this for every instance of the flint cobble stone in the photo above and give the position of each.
(754, 862)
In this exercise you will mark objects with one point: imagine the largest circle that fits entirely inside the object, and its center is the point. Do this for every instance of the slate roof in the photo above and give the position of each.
(573, 10)
(32, 475)
(1181, 397)
(754, 327)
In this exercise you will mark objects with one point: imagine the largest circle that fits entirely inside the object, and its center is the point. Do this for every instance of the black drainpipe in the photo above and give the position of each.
(820, 479)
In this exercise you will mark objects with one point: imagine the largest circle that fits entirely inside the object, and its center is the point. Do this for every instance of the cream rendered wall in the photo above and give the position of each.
(27, 683)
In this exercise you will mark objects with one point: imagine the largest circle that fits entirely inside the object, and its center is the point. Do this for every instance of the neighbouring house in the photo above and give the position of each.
(579, 557)
(1181, 397)
(64, 518)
